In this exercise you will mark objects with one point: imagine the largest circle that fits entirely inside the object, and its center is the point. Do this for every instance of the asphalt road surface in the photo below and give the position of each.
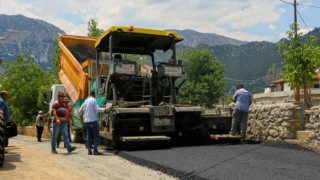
(28, 159)
(263, 161)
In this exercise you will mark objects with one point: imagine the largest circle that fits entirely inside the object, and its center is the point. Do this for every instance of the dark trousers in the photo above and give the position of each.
(92, 128)
(39, 132)
(241, 117)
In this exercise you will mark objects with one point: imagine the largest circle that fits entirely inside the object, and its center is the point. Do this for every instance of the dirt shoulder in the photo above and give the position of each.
(28, 159)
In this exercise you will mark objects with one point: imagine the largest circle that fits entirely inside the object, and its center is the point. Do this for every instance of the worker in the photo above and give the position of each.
(59, 124)
(40, 124)
(242, 98)
(88, 109)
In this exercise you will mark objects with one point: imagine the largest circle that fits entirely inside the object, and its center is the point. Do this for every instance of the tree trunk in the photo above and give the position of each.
(297, 94)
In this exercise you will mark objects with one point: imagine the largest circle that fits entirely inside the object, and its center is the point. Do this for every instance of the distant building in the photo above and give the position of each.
(279, 91)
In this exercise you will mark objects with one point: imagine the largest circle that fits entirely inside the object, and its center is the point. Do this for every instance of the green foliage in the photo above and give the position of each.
(204, 84)
(300, 59)
(136, 58)
(25, 81)
(55, 56)
(93, 30)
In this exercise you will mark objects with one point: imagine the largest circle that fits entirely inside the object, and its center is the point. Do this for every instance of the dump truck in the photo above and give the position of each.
(142, 96)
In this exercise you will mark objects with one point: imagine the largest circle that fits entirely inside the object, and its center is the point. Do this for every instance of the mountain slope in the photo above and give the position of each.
(193, 39)
(247, 63)
(23, 34)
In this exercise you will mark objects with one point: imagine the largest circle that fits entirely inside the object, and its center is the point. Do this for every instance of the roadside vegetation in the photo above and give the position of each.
(300, 60)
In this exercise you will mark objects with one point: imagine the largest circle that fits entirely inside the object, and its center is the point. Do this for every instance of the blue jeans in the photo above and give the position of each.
(56, 128)
(92, 128)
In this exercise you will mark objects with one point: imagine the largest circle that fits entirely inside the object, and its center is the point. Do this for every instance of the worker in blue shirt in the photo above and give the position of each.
(242, 98)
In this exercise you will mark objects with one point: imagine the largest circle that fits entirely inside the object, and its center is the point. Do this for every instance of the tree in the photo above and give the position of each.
(204, 82)
(300, 61)
(93, 30)
(24, 80)
(55, 57)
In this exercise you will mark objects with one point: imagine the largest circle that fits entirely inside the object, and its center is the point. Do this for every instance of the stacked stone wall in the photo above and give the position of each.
(275, 122)
(313, 125)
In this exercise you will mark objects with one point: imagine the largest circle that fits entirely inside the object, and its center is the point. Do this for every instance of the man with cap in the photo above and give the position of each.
(66, 101)
(40, 124)
(242, 98)
(89, 109)
(59, 124)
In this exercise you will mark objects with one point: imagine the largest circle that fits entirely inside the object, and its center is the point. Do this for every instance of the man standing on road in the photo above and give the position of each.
(88, 109)
(59, 124)
(242, 98)
(40, 124)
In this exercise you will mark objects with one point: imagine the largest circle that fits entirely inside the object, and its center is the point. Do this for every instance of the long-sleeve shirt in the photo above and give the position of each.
(89, 109)
(4, 107)
(40, 120)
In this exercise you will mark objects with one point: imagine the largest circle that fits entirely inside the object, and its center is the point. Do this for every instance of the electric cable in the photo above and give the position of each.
(303, 20)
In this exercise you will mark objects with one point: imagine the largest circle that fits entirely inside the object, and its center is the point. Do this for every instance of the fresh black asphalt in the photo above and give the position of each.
(262, 161)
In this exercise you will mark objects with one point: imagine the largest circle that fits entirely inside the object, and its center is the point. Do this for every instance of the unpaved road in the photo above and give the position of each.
(29, 159)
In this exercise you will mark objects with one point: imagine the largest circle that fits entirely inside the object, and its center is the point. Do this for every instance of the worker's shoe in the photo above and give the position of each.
(54, 152)
(90, 152)
(72, 148)
(96, 153)
(232, 133)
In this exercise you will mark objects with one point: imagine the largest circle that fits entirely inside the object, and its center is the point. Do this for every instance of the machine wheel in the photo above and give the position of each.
(6, 142)
(2, 139)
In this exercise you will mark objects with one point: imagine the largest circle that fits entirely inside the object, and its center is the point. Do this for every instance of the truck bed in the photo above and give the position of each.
(73, 51)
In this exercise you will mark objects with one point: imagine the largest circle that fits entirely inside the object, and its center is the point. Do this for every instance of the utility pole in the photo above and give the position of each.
(295, 19)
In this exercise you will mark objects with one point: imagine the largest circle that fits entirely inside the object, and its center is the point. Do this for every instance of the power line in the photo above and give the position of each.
(298, 11)
(286, 2)
(301, 4)
(303, 20)
(309, 5)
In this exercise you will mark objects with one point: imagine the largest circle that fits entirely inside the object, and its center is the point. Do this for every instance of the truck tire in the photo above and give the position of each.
(2, 139)
(6, 142)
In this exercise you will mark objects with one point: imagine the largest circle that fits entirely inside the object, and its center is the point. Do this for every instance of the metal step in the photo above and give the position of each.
(144, 138)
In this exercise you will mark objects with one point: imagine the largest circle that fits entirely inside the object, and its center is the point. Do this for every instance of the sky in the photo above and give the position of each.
(247, 20)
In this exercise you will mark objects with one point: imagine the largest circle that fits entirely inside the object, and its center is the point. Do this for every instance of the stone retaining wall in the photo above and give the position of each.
(275, 122)
(32, 131)
(313, 125)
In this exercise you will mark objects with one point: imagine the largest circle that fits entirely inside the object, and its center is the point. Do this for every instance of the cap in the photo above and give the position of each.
(40, 112)
(4, 92)
(65, 99)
